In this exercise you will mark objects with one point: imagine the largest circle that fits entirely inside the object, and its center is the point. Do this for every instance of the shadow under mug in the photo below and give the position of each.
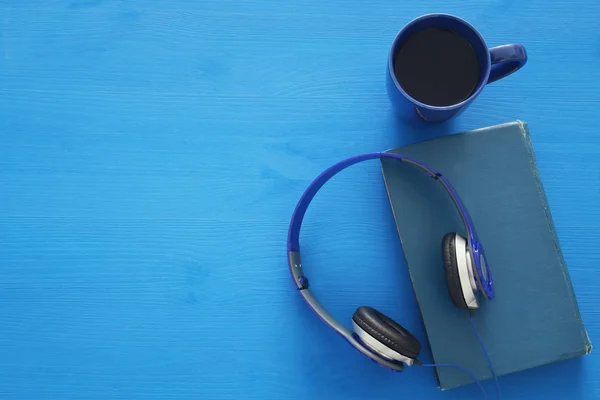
(494, 63)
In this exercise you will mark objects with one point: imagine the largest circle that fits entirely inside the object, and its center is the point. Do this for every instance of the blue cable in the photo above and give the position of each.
(463, 369)
(466, 370)
(486, 354)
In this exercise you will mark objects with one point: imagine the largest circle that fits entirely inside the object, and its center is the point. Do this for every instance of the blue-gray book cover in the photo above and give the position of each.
(534, 319)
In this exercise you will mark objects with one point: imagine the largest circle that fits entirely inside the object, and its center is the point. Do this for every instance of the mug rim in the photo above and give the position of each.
(428, 106)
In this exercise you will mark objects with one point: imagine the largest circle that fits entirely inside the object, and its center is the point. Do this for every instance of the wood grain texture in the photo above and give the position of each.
(151, 154)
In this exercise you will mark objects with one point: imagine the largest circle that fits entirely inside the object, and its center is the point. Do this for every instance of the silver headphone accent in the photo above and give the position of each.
(465, 272)
(380, 348)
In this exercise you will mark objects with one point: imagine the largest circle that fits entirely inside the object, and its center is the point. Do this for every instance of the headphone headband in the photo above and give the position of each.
(483, 275)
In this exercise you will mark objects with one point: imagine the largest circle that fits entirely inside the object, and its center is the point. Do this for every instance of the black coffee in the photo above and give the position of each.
(437, 67)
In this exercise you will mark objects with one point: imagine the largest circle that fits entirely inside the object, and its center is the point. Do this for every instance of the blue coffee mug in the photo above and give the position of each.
(494, 63)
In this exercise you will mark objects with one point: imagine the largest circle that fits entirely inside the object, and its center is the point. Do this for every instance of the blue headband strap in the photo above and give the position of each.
(311, 191)
(484, 279)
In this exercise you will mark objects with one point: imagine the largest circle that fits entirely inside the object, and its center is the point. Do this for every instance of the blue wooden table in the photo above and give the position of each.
(151, 155)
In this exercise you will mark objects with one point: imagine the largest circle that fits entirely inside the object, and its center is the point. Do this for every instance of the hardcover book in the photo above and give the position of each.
(534, 318)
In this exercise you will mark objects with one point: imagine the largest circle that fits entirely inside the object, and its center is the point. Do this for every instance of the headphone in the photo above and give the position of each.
(374, 334)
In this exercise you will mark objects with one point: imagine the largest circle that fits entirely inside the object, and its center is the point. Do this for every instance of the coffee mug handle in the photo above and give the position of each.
(506, 59)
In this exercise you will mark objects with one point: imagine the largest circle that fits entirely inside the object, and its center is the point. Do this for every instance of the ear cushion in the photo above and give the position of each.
(451, 269)
(387, 331)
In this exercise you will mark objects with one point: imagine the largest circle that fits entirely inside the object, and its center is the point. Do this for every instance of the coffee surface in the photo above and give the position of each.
(437, 67)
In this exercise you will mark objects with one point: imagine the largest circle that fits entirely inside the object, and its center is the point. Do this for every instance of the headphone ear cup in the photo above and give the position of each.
(451, 269)
(385, 336)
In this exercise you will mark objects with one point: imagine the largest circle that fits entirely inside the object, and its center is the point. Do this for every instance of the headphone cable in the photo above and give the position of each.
(417, 362)
(486, 353)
